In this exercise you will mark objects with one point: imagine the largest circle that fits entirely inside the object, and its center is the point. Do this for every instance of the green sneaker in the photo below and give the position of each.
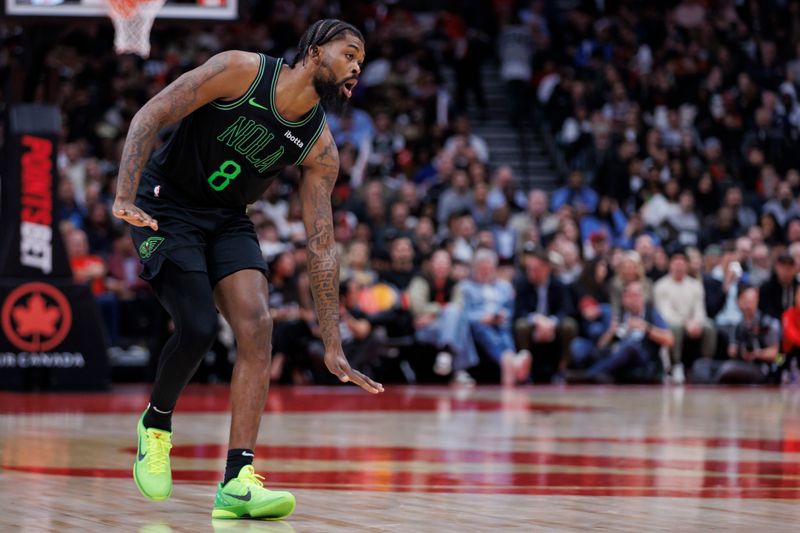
(245, 496)
(151, 470)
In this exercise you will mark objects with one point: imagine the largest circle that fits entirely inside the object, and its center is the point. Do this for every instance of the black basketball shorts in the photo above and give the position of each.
(216, 240)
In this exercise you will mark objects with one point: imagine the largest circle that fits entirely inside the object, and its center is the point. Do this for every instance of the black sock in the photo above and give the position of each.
(158, 419)
(237, 458)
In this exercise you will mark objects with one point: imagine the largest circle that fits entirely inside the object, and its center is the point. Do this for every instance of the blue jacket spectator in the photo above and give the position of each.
(575, 194)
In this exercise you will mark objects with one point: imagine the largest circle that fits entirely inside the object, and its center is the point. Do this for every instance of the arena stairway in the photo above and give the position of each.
(533, 167)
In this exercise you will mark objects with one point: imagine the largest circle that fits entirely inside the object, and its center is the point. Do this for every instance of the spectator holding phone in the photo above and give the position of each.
(754, 346)
(629, 349)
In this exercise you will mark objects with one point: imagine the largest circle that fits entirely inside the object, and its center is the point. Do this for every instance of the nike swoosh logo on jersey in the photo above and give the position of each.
(253, 103)
(245, 498)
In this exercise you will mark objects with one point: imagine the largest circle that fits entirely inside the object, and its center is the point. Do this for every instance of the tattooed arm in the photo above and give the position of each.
(226, 75)
(320, 171)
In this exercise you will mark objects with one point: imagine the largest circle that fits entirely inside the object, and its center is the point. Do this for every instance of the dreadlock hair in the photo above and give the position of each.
(322, 32)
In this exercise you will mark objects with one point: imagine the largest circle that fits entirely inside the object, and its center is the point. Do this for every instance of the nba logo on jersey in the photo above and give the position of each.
(292, 138)
(157, 191)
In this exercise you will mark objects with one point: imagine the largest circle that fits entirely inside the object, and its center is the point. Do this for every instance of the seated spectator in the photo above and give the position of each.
(488, 305)
(777, 294)
(729, 273)
(269, 240)
(379, 151)
(594, 320)
(744, 253)
(791, 340)
(457, 198)
(462, 236)
(462, 131)
(598, 246)
(397, 226)
(572, 266)
(760, 266)
(646, 247)
(139, 315)
(793, 230)
(99, 230)
(124, 268)
(661, 207)
(294, 220)
(536, 220)
(354, 126)
(609, 219)
(685, 223)
(481, 212)
(502, 191)
(744, 216)
(783, 207)
(543, 315)
(720, 227)
(356, 264)
(505, 239)
(401, 268)
(773, 233)
(89, 269)
(424, 237)
(581, 197)
(69, 209)
(291, 315)
(753, 348)
(630, 269)
(356, 330)
(629, 349)
(274, 207)
(594, 281)
(439, 319)
(680, 301)
(714, 295)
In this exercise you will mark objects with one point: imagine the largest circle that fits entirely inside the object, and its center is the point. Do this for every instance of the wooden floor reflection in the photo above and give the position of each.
(421, 459)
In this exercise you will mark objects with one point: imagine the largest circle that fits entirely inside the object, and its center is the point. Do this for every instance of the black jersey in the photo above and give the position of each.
(225, 153)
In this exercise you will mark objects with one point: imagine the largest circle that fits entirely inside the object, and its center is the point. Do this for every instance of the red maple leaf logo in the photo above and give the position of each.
(36, 318)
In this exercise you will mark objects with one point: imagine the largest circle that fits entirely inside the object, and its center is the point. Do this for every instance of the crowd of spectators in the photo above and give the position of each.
(670, 252)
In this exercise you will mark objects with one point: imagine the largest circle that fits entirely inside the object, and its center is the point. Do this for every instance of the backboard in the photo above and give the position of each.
(173, 9)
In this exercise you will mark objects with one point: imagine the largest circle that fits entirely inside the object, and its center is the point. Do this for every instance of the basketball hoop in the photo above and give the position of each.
(133, 20)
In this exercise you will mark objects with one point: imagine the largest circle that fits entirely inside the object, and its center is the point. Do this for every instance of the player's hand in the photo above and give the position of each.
(339, 367)
(133, 215)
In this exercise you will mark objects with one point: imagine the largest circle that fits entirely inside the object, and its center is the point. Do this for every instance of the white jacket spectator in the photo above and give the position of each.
(680, 299)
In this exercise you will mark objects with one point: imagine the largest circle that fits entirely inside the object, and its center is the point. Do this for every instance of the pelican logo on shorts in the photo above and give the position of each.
(149, 246)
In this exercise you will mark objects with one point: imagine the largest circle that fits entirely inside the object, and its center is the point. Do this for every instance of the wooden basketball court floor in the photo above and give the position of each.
(425, 459)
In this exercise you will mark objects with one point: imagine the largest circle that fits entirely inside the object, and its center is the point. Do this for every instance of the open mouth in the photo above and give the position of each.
(348, 87)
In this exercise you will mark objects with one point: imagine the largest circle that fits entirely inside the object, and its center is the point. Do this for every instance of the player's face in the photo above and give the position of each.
(338, 71)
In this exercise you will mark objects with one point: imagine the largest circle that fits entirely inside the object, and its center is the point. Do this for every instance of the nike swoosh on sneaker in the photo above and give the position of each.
(253, 103)
(141, 455)
(245, 498)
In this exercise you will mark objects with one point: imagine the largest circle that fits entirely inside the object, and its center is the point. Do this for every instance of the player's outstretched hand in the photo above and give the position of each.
(133, 215)
(339, 367)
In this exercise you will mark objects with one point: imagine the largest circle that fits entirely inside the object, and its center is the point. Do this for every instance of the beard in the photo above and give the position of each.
(330, 92)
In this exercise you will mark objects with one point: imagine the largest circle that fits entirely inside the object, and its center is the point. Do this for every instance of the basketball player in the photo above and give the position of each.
(243, 117)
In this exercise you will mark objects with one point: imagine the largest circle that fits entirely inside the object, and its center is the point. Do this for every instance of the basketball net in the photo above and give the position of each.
(133, 20)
